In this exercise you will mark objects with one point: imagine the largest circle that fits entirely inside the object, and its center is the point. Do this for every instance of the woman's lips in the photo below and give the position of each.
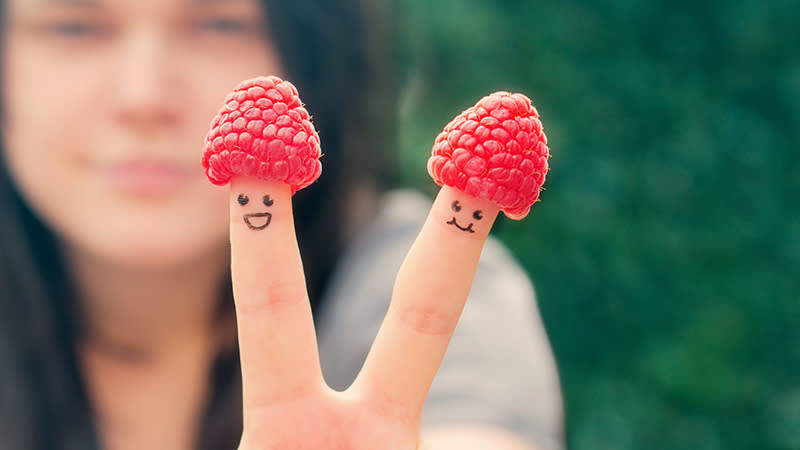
(146, 177)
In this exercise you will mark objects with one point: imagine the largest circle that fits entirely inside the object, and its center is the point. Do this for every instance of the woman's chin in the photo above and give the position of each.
(151, 248)
(154, 257)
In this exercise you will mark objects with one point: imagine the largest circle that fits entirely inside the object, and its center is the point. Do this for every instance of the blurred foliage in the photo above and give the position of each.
(666, 250)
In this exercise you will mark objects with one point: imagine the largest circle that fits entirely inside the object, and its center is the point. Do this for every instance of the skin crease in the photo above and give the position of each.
(106, 103)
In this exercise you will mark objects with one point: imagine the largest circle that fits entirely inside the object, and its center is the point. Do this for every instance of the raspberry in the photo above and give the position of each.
(264, 131)
(495, 150)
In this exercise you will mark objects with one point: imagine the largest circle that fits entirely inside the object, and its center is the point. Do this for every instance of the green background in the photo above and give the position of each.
(666, 249)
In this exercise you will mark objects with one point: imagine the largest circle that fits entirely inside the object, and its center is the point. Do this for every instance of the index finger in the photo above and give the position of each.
(277, 341)
(263, 143)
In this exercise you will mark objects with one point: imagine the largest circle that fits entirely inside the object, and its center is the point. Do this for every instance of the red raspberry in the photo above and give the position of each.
(495, 150)
(264, 131)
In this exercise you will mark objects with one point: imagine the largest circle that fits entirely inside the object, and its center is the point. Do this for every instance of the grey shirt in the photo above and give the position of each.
(498, 370)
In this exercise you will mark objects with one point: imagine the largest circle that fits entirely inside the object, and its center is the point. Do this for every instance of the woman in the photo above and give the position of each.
(116, 326)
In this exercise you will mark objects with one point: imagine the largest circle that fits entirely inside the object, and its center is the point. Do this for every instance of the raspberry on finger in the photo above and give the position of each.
(495, 150)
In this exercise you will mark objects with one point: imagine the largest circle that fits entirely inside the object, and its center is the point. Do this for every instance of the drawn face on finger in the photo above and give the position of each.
(256, 220)
(465, 215)
(463, 218)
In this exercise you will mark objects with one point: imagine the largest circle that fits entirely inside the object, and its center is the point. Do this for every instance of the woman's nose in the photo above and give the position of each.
(147, 91)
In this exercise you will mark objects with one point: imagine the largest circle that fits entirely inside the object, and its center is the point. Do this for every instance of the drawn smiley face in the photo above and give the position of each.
(456, 206)
(256, 221)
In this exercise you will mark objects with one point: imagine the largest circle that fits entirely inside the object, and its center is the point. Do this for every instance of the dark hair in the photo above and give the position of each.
(331, 52)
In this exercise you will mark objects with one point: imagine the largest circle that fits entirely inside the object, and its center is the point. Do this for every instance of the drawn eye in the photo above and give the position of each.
(478, 215)
(243, 199)
(268, 201)
(456, 206)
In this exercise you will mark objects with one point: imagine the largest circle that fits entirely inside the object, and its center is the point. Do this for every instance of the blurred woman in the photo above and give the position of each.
(116, 321)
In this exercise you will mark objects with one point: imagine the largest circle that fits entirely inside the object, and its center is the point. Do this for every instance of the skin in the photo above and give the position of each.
(106, 103)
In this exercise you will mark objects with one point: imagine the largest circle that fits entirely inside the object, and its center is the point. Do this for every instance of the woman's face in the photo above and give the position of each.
(106, 106)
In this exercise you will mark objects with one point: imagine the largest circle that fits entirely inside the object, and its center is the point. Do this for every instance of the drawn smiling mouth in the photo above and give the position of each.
(267, 216)
(467, 228)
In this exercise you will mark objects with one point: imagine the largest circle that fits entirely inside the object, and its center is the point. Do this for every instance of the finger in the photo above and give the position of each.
(429, 294)
(277, 341)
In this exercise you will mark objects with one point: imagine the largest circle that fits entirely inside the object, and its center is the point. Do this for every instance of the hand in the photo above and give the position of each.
(287, 405)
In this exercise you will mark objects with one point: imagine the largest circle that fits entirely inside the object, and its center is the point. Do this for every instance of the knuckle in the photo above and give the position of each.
(273, 299)
(428, 320)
